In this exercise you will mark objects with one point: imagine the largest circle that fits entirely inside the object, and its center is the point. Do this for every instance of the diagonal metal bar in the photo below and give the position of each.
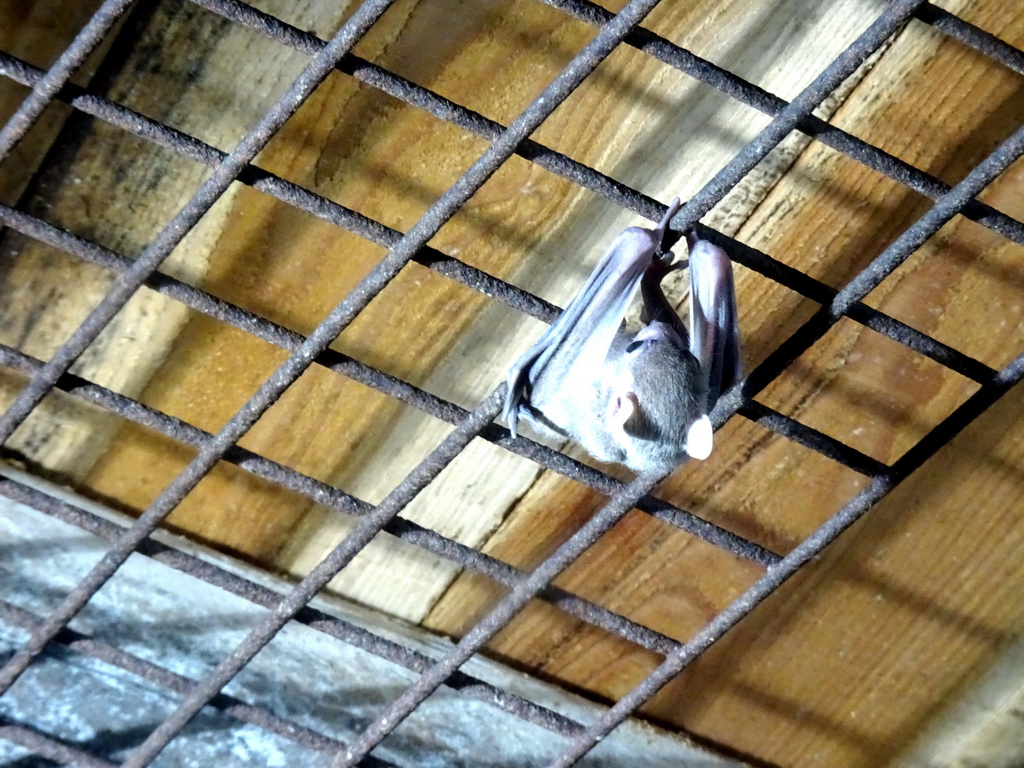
(258, 594)
(812, 438)
(341, 502)
(975, 37)
(764, 101)
(172, 681)
(471, 277)
(806, 551)
(47, 746)
(446, 206)
(844, 65)
(66, 65)
(389, 385)
(125, 285)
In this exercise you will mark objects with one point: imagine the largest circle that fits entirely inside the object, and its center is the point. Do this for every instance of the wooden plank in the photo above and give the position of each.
(162, 612)
(981, 724)
(480, 356)
(796, 684)
(390, 162)
(175, 63)
(848, 662)
(37, 32)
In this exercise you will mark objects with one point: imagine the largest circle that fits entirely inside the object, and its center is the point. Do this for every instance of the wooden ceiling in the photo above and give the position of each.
(900, 646)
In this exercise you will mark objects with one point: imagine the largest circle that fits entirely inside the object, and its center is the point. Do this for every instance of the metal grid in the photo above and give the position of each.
(623, 28)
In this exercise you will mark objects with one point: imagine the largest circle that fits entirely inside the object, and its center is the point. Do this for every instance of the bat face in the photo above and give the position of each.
(641, 400)
(666, 395)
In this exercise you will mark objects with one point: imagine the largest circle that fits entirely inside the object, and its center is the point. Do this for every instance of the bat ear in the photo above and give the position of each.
(621, 408)
(699, 438)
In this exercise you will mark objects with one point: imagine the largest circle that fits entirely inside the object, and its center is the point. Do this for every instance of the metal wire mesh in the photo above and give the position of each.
(613, 30)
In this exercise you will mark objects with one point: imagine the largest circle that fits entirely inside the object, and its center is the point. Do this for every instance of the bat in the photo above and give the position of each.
(640, 399)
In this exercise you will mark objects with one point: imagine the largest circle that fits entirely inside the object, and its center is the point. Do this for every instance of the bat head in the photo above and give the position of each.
(656, 405)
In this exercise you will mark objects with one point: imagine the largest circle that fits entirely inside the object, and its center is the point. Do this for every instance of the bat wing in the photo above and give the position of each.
(714, 328)
(573, 350)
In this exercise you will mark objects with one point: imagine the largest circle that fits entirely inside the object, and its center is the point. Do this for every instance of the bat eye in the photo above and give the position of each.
(633, 346)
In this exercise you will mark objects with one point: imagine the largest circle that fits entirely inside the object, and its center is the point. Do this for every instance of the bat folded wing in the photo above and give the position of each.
(714, 326)
(570, 357)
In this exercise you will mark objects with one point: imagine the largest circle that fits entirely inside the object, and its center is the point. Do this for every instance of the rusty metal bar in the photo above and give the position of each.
(843, 66)
(44, 91)
(800, 556)
(971, 35)
(49, 747)
(153, 673)
(836, 304)
(125, 285)
(446, 206)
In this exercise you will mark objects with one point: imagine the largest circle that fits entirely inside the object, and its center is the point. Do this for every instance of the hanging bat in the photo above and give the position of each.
(641, 400)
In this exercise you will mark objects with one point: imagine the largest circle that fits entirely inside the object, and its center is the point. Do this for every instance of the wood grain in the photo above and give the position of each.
(850, 662)
(37, 33)
(628, 90)
(390, 161)
(173, 62)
